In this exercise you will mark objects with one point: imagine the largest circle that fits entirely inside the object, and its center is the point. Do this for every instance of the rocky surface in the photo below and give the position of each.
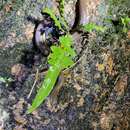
(96, 91)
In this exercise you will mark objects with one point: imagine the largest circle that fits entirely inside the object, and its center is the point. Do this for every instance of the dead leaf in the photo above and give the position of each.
(13, 34)
(77, 87)
(2, 44)
(109, 64)
(82, 115)
(121, 85)
(127, 50)
(118, 128)
(100, 67)
(36, 114)
(106, 121)
(8, 8)
(17, 112)
(81, 102)
(19, 128)
(128, 34)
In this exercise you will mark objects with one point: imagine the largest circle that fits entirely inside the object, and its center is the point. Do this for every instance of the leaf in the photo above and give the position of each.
(59, 59)
(66, 43)
(126, 22)
(100, 67)
(121, 85)
(52, 15)
(61, 4)
(70, 52)
(66, 40)
(109, 64)
(61, 10)
(46, 87)
(67, 62)
(8, 8)
(64, 23)
(54, 56)
(3, 79)
(91, 26)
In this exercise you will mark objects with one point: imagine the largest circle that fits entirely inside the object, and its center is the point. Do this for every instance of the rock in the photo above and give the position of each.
(19, 71)
(4, 116)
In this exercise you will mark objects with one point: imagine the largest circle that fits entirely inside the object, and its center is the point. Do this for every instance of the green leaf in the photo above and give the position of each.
(57, 22)
(66, 40)
(46, 87)
(52, 15)
(91, 26)
(66, 43)
(61, 4)
(59, 59)
(64, 23)
(3, 79)
(67, 62)
(54, 56)
(126, 22)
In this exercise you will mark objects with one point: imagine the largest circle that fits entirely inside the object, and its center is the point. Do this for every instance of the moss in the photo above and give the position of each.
(118, 8)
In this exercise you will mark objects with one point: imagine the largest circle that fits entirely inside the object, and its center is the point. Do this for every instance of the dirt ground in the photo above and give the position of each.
(95, 94)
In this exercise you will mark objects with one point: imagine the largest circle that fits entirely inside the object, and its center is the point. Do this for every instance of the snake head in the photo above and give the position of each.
(46, 34)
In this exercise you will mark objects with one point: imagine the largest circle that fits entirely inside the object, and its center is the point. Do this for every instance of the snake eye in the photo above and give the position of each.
(42, 31)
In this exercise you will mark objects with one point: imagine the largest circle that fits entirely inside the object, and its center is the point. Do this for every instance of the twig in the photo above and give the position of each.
(36, 78)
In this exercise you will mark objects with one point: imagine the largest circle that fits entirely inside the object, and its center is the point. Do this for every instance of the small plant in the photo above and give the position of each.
(61, 7)
(5, 80)
(91, 26)
(51, 13)
(60, 23)
(60, 58)
(126, 22)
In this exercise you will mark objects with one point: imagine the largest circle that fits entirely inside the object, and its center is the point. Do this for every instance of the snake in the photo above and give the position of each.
(46, 32)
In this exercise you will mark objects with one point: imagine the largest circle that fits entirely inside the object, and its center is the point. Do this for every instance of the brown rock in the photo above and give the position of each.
(17, 69)
(17, 112)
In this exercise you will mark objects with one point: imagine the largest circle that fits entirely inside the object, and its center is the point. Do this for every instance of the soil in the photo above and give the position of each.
(95, 93)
